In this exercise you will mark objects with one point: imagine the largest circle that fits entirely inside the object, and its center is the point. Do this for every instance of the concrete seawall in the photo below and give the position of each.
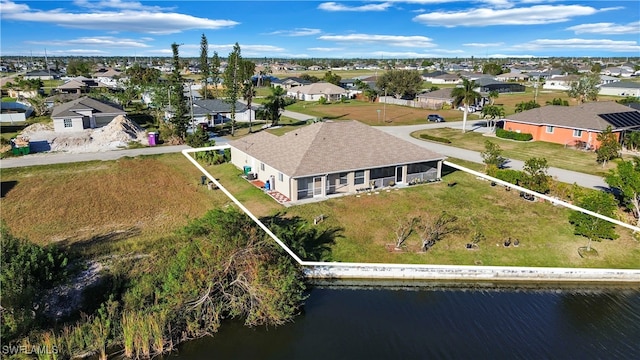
(318, 270)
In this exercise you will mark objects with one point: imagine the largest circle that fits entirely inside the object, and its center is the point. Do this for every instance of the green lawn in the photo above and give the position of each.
(557, 155)
(546, 237)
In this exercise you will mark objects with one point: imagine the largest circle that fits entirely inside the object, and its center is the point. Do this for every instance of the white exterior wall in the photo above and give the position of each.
(616, 91)
(58, 124)
(241, 159)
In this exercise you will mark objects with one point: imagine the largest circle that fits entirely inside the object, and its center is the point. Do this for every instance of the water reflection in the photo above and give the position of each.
(353, 320)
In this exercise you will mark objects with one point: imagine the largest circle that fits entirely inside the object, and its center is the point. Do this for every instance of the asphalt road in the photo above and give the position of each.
(60, 158)
(403, 132)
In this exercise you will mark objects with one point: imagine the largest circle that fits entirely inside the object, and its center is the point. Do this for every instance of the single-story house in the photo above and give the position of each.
(216, 112)
(446, 79)
(315, 91)
(291, 82)
(621, 88)
(83, 113)
(81, 84)
(436, 100)
(569, 125)
(512, 76)
(560, 82)
(487, 85)
(42, 75)
(328, 158)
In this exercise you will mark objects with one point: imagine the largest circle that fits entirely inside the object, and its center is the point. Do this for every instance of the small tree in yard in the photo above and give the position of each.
(589, 226)
(536, 177)
(492, 154)
(626, 178)
(432, 230)
(403, 230)
(609, 146)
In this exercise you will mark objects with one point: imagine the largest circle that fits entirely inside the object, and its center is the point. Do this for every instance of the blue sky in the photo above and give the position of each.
(337, 29)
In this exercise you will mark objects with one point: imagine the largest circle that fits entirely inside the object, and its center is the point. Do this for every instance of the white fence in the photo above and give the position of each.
(336, 270)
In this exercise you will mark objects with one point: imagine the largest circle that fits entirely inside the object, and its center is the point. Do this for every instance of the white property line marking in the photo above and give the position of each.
(548, 198)
(382, 266)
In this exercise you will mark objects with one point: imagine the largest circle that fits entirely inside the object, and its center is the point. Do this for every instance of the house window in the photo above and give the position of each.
(577, 133)
(68, 123)
(343, 179)
(359, 178)
(261, 166)
(549, 129)
(280, 177)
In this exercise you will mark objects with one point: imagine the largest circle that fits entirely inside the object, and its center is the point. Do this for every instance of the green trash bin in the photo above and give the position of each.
(247, 170)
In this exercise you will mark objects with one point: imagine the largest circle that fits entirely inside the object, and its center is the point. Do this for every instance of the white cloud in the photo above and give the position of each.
(101, 41)
(382, 40)
(325, 49)
(534, 15)
(580, 44)
(142, 21)
(606, 28)
(482, 45)
(114, 4)
(333, 6)
(296, 32)
(410, 54)
(81, 52)
(502, 56)
(246, 50)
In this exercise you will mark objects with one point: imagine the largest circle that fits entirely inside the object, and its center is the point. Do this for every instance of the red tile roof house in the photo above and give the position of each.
(333, 158)
(568, 125)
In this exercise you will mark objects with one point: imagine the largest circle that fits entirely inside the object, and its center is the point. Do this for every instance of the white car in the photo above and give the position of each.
(471, 108)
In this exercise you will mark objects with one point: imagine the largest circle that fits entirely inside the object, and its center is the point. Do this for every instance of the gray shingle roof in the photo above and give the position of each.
(85, 103)
(438, 94)
(212, 106)
(583, 116)
(319, 88)
(330, 147)
(623, 84)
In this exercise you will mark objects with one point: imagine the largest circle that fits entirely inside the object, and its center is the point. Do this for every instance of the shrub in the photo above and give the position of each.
(505, 134)
(435, 138)
(509, 175)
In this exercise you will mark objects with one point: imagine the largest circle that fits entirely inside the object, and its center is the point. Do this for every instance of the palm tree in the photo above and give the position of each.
(248, 92)
(465, 95)
(274, 103)
(493, 95)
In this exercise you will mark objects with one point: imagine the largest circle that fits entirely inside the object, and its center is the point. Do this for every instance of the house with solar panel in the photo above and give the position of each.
(572, 125)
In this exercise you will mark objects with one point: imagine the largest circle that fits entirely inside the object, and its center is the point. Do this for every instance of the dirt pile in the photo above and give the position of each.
(115, 135)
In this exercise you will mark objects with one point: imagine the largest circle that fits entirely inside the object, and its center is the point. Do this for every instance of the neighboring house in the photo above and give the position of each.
(487, 85)
(436, 100)
(622, 71)
(108, 77)
(430, 76)
(291, 82)
(42, 75)
(606, 79)
(621, 88)
(560, 82)
(216, 112)
(569, 125)
(513, 76)
(317, 90)
(328, 158)
(446, 79)
(80, 85)
(83, 113)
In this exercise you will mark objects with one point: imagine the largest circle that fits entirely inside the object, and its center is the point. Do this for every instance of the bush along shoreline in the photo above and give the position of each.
(218, 267)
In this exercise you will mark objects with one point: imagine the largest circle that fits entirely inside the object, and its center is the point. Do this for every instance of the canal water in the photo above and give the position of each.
(351, 320)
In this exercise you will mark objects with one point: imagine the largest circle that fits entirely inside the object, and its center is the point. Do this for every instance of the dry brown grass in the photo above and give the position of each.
(135, 198)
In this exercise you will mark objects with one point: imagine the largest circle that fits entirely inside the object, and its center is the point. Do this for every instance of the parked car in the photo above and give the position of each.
(435, 118)
(471, 108)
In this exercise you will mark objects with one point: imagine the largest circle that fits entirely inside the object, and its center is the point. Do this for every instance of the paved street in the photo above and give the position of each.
(60, 158)
(404, 132)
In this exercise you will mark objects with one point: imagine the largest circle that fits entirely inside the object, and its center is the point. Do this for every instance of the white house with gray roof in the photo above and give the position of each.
(83, 113)
(215, 112)
(315, 91)
(328, 158)
(621, 88)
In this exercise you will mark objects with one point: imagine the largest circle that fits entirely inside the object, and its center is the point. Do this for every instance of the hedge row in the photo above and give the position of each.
(435, 138)
(505, 134)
